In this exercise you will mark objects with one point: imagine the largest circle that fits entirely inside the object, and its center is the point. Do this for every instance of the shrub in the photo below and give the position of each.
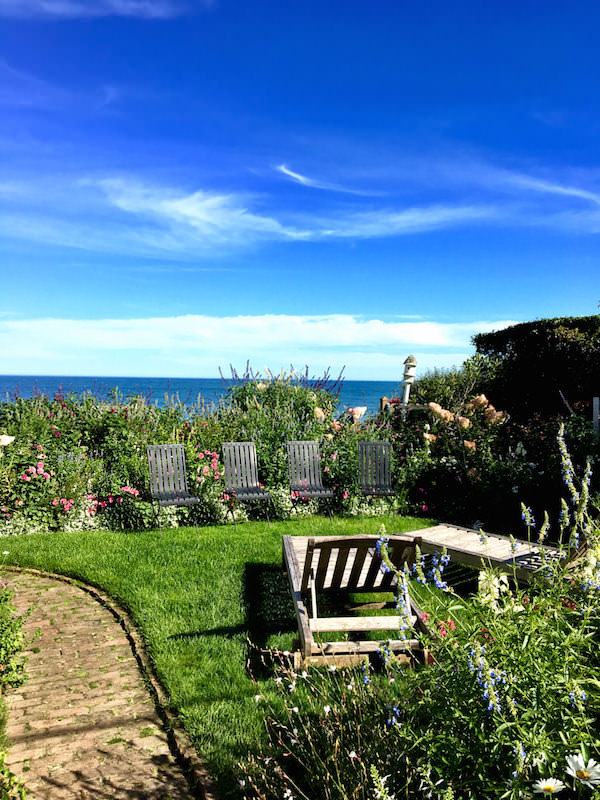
(536, 361)
(12, 674)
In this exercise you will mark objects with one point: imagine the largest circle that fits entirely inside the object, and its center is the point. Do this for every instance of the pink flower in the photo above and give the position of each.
(46, 476)
(110, 498)
(205, 470)
(55, 502)
(217, 475)
(345, 495)
(119, 499)
(25, 478)
(200, 455)
(424, 508)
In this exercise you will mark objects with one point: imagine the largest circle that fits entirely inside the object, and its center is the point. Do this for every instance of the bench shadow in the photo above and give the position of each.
(269, 611)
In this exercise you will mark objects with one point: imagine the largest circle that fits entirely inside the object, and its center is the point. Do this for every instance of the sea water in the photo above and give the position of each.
(189, 391)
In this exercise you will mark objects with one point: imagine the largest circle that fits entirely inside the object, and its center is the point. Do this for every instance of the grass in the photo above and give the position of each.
(196, 598)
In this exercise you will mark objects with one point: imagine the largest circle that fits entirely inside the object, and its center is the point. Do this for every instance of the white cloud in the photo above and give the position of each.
(69, 9)
(199, 345)
(389, 222)
(122, 215)
(131, 216)
(218, 218)
(22, 90)
(317, 184)
(203, 217)
(548, 187)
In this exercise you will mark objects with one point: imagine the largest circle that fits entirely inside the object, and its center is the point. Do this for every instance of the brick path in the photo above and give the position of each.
(83, 725)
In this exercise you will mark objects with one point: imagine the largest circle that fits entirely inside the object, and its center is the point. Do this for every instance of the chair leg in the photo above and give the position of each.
(156, 512)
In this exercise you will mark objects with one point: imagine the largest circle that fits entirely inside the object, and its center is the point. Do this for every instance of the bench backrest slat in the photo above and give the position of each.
(354, 557)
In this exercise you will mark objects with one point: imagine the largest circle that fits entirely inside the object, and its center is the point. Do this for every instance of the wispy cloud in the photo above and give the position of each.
(70, 9)
(207, 216)
(548, 187)
(131, 215)
(325, 185)
(19, 89)
(128, 216)
(389, 222)
(196, 344)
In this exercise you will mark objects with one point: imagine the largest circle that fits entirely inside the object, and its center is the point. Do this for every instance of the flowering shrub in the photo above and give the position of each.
(461, 460)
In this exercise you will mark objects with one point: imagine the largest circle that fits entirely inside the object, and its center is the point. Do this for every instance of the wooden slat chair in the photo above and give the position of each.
(304, 469)
(168, 483)
(374, 467)
(241, 474)
(349, 564)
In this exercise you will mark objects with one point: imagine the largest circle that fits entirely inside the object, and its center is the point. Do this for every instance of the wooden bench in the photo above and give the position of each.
(325, 564)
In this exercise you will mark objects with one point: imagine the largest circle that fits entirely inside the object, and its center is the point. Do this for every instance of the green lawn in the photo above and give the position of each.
(196, 597)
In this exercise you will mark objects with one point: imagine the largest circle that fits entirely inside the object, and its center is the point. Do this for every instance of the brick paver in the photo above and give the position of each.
(83, 725)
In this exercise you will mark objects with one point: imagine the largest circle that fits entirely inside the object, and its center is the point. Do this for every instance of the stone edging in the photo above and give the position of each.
(183, 750)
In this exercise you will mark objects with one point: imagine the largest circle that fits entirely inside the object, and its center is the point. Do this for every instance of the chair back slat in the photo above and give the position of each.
(304, 465)
(241, 467)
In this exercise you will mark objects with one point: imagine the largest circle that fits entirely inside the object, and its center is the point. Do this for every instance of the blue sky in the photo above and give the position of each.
(187, 184)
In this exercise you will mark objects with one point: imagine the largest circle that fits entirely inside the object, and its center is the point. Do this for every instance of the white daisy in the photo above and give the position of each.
(588, 774)
(548, 786)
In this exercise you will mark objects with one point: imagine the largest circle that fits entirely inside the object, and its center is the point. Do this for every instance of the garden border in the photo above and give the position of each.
(201, 784)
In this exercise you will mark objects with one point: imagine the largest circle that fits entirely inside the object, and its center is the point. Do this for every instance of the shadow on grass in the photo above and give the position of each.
(269, 611)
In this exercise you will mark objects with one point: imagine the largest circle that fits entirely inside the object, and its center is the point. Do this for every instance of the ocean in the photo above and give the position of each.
(188, 390)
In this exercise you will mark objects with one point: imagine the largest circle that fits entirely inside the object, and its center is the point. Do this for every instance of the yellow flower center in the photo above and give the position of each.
(582, 774)
(548, 788)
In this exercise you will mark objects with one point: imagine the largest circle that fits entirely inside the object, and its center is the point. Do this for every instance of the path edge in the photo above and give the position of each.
(180, 744)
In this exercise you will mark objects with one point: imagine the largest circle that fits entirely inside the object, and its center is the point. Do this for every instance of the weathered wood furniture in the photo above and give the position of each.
(374, 469)
(241, 474)
(474, 548)
(304, 469)
(168, 483)
(326, 564)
